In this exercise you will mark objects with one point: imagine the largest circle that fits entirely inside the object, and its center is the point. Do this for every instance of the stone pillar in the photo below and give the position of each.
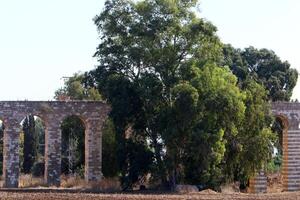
(53, 152)
(11, 154)
(258, 184)
(291, 157)
(93, 150)
(284, 166)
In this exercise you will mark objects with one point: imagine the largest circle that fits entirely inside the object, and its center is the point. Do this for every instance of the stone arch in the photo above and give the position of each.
(289, 112)
(284, 168)
(289, 169)
(94, 114)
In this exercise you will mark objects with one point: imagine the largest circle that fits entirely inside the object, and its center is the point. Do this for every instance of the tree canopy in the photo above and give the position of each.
(263, 66)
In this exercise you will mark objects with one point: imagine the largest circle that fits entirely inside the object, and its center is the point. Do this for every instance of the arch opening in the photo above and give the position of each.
(32, 151)
(72, 147)
(276, 164)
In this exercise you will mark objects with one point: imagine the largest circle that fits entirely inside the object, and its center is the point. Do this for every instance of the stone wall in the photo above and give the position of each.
(290, 116)
(92, 113)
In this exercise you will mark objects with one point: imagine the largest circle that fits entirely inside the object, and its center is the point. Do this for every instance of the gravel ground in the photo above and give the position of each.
(200, 196)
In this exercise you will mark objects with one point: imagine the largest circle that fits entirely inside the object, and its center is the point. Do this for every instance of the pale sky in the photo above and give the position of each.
(42, 41)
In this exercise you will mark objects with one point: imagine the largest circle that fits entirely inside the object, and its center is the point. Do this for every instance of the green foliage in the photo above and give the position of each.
(275, 164)
(109, 150)
(137, 159)
(74, 89)
(40, 132)
(251, 149)
(220, 111)
(32, 146)
(263, 66)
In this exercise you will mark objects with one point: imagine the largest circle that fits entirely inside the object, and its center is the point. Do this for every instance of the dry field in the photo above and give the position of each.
(81, 196)
(73, 189)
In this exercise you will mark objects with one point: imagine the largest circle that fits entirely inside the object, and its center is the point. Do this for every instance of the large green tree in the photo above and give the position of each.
(146, 47)
(263, 66)
(156, 69)
(206, 113)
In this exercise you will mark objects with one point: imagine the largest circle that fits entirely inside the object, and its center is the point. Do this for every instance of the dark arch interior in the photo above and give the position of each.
(73, 146)
(32, 148)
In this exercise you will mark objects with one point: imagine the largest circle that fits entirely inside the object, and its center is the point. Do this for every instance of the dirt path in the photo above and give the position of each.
(84, 196)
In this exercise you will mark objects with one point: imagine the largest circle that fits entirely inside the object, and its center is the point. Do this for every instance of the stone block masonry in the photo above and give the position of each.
(93, 115)
(258, 184)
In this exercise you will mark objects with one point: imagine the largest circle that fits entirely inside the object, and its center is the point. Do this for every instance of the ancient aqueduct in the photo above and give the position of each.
(93, 115)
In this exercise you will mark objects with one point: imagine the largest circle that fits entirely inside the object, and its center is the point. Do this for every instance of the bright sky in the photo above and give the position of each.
(42, 41)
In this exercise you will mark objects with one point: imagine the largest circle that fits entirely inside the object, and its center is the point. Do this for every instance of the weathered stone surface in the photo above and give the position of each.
(93, 115)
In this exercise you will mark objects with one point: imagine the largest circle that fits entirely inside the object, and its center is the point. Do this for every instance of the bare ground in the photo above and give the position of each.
(82, 196)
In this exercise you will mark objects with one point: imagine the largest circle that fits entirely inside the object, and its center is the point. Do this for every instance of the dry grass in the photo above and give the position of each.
(1, 181)
(275, 183)
(112, 185)
(28, 181)
(105, 185)
(72, 182)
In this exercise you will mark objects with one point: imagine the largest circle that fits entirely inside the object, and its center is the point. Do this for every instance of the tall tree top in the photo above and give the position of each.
(153, 36)
(265, 67)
